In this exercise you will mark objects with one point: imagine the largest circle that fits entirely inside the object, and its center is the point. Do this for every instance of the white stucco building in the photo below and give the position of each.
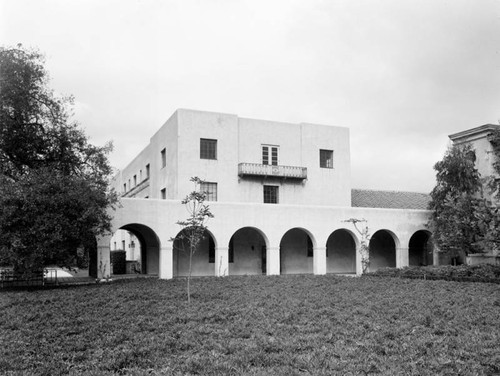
(280, 193)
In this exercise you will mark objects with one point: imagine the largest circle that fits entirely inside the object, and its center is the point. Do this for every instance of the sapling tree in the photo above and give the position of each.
(364, 246)
(194, 226)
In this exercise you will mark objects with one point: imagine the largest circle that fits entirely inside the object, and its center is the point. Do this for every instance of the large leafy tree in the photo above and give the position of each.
(462, 220)
(54, 184)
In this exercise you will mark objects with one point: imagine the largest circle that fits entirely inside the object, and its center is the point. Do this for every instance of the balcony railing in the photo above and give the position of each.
(288, 172)
(139, 187)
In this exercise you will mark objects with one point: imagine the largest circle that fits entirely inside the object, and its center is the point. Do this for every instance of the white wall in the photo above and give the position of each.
(240, 140)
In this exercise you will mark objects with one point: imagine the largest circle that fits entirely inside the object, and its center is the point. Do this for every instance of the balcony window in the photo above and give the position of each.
(208, 148)
(270, 155)
(326, 158)
(271, 194)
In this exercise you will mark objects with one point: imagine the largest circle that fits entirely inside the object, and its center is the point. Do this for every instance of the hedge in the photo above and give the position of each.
(461, 273)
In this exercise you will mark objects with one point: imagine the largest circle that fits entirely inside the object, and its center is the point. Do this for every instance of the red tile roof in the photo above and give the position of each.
(365, 198)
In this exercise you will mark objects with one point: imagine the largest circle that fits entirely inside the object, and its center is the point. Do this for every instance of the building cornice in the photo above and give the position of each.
(474, 133)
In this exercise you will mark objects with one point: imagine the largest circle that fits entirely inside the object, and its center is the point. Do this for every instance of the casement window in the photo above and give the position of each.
(270, 155)
(163, 158)
(210, 190)
(325, 158)
(147, 170)
(135, 180)
(208, 148)
(163, 194)
(310, 250)
(124, 187)
(140, 175)
(271, 194)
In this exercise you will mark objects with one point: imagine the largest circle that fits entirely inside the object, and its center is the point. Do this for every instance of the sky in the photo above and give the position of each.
(401, 75)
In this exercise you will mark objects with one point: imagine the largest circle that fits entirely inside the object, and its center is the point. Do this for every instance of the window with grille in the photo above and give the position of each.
(270, 155)
(271, 194)
(326, 158)
(208, 148)
(210, 190)
(163, 158)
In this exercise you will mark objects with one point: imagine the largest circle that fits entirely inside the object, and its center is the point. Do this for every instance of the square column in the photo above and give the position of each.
(273, 261)
(402, 257)
(166, 269)
(319, 261)
(221, 261)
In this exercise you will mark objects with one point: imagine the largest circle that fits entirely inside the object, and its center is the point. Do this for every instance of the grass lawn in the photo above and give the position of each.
(286, 325)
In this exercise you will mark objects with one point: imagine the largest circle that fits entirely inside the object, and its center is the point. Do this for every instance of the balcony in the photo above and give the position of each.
(135, 190)
(286, 172)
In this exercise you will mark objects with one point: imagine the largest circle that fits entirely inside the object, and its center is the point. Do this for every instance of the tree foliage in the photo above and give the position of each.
(462, 220)
(54, 184)
(194, 227)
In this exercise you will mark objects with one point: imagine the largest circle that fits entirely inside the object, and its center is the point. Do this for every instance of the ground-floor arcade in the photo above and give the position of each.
(244, 239)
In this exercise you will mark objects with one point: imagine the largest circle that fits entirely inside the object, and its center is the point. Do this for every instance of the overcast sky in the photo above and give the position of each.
(402, 75)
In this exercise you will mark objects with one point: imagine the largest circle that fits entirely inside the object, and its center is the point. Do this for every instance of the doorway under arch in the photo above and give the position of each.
(296, 252)
(247, 252)
(382, 250)
(420, 249)
(141, 246)
(203, 260)
(341, 252)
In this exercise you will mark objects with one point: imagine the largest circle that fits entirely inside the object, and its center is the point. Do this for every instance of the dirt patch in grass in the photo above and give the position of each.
(287, 325)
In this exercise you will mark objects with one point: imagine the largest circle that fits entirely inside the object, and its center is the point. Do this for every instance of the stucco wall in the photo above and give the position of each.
(240, 140)
(273, 222)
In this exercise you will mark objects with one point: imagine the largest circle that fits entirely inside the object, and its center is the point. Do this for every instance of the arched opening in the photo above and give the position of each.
(382, 250)
(135, 249)
(341, 252)
(247, 252)
(296, 252)
(420, 249)
(203, 260)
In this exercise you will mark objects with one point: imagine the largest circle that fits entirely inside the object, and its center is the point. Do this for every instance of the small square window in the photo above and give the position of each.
(210, 190)
(163, 158)
(208, 148)
(271, 194)
(326, 158)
